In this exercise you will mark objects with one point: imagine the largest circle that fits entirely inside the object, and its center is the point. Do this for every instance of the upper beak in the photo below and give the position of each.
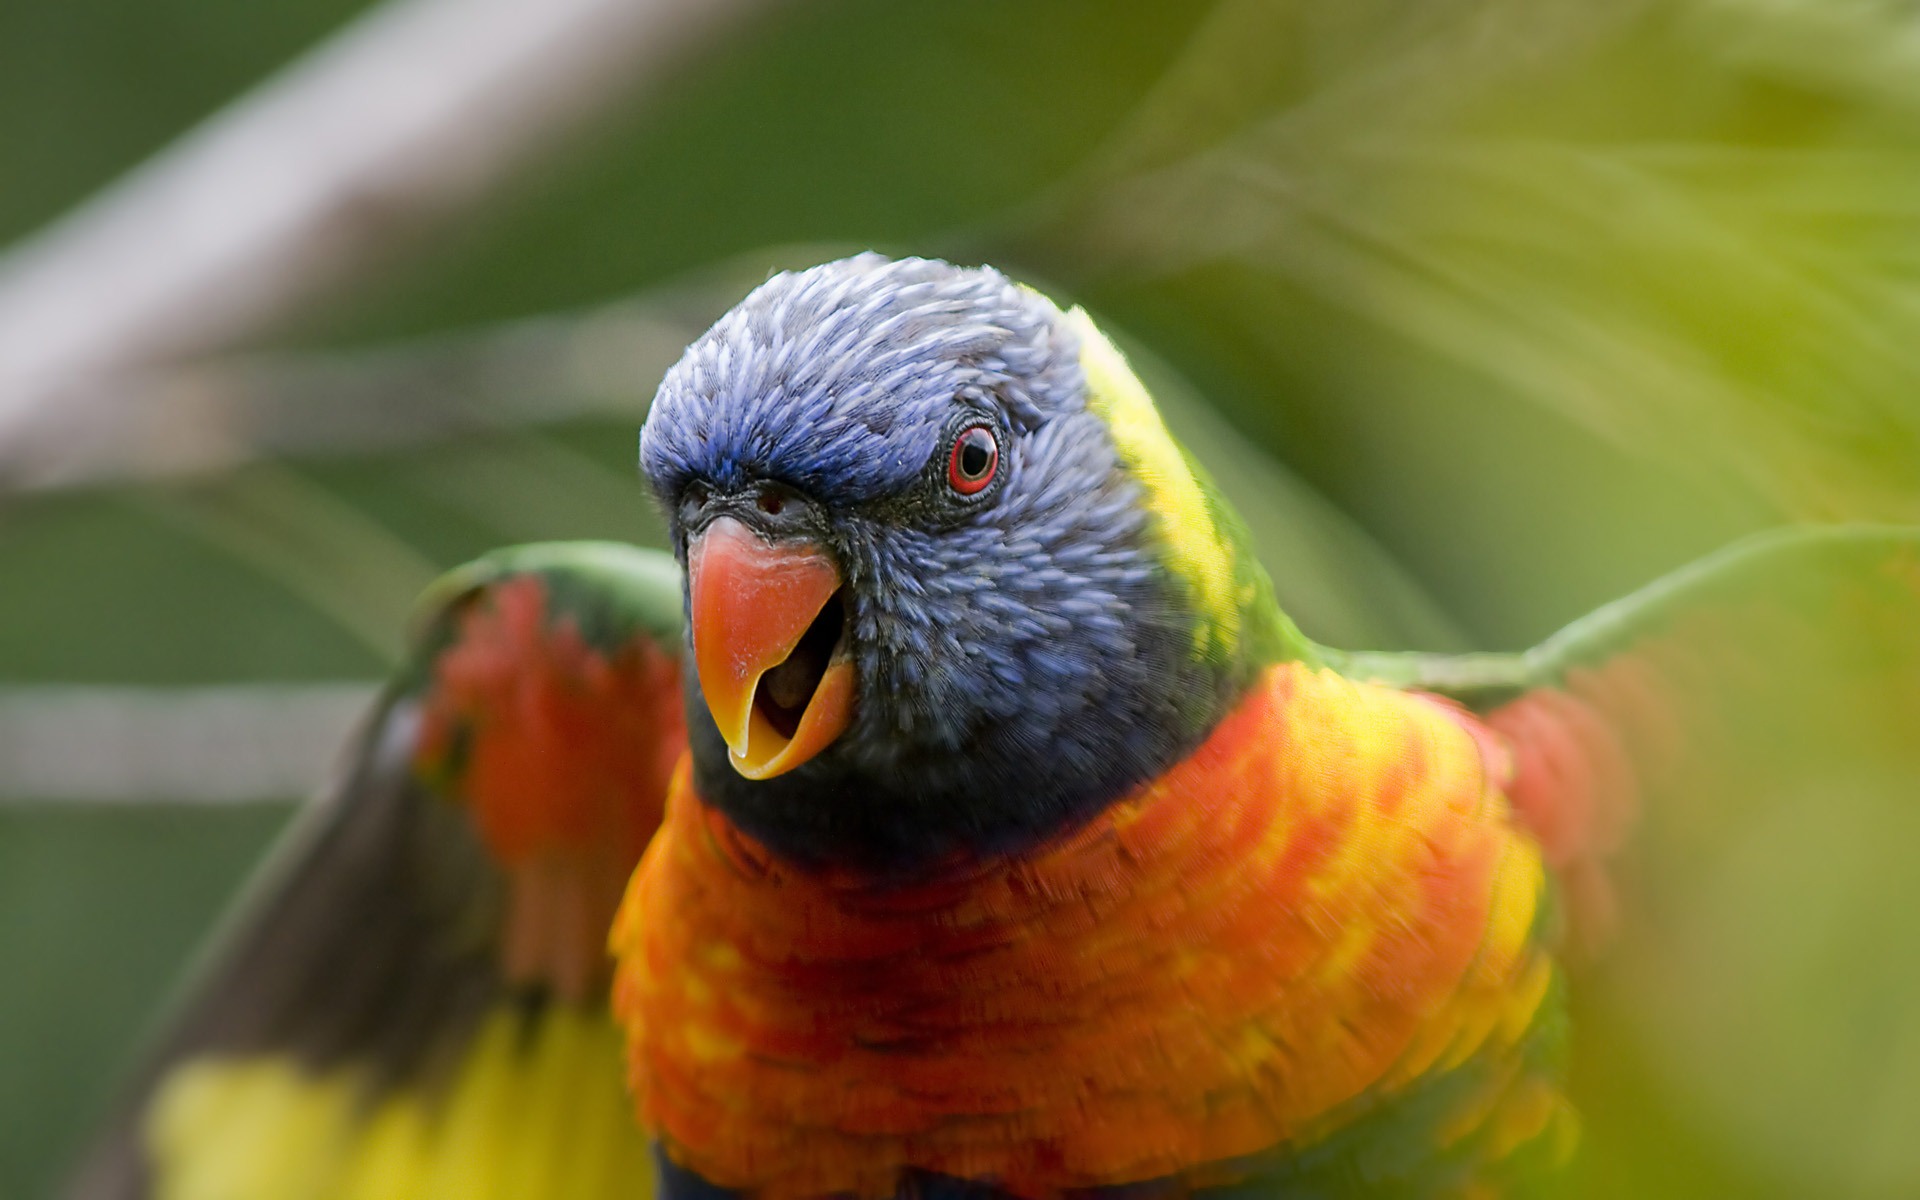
(779, 696)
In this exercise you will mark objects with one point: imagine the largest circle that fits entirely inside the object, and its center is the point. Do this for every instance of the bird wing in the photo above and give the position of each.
(411, 999)
(1784, 662)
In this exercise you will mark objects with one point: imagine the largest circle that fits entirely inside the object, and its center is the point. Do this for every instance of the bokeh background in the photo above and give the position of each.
(1485, 311)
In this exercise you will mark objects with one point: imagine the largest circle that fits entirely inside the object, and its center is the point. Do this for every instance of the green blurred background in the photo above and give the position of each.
(1484, 311)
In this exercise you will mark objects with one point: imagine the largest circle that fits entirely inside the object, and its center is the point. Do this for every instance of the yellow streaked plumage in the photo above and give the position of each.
(1196, 551)
(536, 1109)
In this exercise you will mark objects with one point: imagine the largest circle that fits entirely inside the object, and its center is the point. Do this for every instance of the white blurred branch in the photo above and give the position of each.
(216, 415)
(208, 745)
(340, 162)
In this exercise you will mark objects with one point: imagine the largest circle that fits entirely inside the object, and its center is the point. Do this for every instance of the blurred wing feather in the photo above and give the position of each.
(1791, 656)
(411, 998)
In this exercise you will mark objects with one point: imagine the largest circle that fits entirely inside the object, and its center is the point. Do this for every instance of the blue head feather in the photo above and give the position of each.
(1023, 656)
(839, 380)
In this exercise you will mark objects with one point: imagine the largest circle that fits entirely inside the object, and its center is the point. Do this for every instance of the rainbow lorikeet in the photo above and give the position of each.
(994, 834)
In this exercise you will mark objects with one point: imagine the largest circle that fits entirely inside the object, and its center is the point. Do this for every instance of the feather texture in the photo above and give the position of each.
(1322, 910)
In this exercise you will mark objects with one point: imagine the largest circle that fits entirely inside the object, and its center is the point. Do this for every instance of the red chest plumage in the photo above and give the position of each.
(1324, 902)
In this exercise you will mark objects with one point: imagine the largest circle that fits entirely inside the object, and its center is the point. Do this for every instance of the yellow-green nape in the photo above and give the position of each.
(529, 1113)
(1218, 573)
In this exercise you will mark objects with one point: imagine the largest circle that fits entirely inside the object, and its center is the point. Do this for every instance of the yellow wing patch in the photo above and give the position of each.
(1196, 549)
(533, 1112)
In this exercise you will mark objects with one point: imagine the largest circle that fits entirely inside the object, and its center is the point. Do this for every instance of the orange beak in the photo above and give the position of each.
(766, 645)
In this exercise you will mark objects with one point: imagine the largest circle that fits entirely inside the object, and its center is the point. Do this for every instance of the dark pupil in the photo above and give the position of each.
(975, 455)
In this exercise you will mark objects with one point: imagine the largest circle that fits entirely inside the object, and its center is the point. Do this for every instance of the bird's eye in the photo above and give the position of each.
(975, 458)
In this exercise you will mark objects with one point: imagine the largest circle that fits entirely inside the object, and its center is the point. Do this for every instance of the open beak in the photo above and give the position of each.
(767, 631)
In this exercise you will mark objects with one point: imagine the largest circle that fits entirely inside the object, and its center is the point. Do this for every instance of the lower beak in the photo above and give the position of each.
(767, 628)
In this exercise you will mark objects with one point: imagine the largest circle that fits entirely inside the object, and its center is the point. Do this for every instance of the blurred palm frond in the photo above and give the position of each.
(1681, 228)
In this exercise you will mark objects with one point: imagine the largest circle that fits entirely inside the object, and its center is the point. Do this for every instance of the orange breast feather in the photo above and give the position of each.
(1325, 902)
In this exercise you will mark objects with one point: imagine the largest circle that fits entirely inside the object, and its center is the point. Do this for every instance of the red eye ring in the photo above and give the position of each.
(974, 460)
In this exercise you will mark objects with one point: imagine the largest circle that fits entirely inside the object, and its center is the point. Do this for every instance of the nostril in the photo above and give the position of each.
(693, 502)
(771, 503)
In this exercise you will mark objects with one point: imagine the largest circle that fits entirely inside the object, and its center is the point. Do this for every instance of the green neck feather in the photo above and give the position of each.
(1207, 548)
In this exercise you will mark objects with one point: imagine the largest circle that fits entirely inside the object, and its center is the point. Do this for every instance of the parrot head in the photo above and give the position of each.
(951, 586)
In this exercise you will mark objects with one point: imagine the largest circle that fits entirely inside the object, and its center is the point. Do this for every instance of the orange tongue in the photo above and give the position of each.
(752, 602)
